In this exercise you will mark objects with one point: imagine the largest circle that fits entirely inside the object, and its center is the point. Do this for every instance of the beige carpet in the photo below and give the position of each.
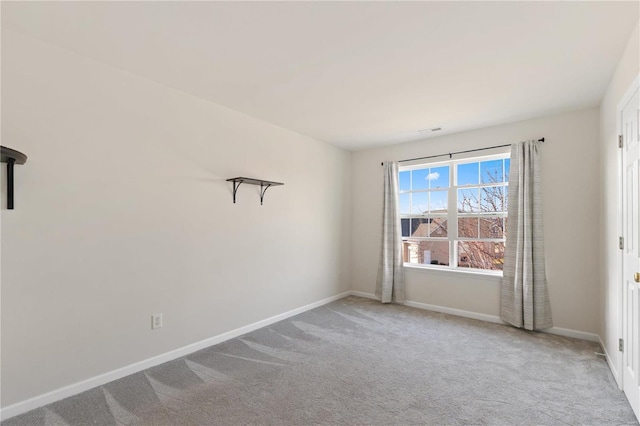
(357, 362)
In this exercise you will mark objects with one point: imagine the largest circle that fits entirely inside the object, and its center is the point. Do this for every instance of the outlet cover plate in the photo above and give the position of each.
(156, 321)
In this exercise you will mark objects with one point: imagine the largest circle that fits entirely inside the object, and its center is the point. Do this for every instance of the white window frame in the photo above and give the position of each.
(452, 212)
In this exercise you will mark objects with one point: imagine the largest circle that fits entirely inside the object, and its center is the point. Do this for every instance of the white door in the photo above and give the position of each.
(631, 254)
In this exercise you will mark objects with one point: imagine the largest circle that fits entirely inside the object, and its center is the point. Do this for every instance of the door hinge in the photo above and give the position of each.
(621, 243)
(621, 345)
(619, 141)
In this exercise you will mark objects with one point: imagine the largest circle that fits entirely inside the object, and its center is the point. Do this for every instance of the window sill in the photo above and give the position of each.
(492, 275)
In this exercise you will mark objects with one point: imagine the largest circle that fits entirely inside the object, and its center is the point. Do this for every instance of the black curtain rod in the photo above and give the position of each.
(451, 154)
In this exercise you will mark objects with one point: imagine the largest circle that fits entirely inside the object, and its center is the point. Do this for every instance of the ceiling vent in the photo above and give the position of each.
(435, 129)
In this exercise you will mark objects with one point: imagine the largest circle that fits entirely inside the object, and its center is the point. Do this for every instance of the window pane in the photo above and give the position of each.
(491, 171)
(404, 181)
(438, 177)
(405, 225)
(438, 202)
(468, 174)
(419, 179)
(480, 255)
(404, 203)
(507, 169)
(439, 227)
(435, 227)
(491, 227)
(426, 252)
(419, 227)
(419, 203)
(492, 199)
(468, 200)
(468, 227)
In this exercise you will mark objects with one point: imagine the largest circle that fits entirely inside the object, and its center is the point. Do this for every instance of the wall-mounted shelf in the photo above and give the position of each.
(11, 157)
(264, 185)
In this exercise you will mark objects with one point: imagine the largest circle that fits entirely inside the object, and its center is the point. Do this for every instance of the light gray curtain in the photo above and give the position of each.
(390, 284)
(524, 296)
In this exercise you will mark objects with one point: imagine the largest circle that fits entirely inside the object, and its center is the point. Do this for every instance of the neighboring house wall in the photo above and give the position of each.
(609, 318)
(123, 211)
(571, 184)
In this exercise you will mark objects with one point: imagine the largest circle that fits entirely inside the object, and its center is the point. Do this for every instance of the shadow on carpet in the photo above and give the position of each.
(358, 362)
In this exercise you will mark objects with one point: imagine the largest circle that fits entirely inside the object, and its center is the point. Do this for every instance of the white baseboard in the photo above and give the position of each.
(612, 367)
(485, 317)
(76, 388)
(363, 294)
(591, 337)
(456, 312)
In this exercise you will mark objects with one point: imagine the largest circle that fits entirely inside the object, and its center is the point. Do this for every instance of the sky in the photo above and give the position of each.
(438, 179)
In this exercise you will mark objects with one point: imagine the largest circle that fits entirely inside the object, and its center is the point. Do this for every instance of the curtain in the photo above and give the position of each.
(524, 296)
(390, 285)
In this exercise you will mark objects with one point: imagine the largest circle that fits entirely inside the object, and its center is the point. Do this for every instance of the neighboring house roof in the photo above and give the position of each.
(436, 228)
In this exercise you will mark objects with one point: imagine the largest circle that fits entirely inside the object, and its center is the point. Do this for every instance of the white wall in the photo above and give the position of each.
(627, 70)
(571, 218)
(122, 210)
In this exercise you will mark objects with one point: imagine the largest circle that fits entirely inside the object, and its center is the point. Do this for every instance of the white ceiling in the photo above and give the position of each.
(354, 74)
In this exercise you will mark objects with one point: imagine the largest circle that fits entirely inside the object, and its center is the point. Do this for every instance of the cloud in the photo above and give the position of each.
(433, 176)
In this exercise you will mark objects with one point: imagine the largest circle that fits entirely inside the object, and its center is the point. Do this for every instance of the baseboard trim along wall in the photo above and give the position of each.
(76, 388)
(612, 367)
(485, 317)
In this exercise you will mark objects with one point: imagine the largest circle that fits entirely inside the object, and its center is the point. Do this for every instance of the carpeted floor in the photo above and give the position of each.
(356, 361)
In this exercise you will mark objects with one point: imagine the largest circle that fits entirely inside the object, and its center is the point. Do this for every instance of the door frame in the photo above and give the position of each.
(635, 85)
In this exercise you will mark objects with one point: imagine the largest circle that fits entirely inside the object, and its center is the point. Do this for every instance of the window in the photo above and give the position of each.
(454, 213)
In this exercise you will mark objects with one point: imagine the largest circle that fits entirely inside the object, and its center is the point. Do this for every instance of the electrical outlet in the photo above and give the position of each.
(156, 321)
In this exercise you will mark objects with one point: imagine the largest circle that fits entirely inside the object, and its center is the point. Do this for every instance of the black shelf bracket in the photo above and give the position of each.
(262, 191)
(11, 157)
(264, 185)
(236, 185)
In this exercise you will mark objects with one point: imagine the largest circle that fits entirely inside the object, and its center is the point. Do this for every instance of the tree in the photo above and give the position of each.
(476, 208)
